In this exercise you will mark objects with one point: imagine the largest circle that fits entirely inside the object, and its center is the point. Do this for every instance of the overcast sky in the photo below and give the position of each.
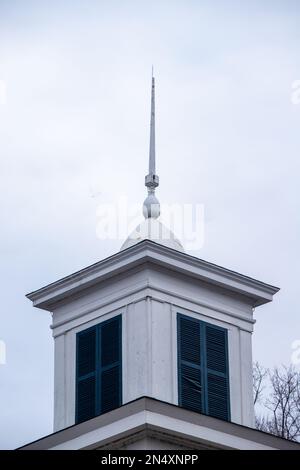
(74, 131)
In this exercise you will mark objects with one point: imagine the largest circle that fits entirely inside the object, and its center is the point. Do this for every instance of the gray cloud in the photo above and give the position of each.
(77, 117)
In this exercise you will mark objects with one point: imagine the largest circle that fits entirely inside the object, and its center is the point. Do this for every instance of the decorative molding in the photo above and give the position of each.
(141, 292)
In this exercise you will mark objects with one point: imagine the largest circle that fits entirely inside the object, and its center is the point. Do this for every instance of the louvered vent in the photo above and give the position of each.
(203, 378)
(99, 369)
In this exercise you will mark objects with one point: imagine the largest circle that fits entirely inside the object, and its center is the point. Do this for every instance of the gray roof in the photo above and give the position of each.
(235, 432)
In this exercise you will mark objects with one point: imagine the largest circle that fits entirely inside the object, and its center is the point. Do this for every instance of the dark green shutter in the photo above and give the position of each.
(203, 377)
(86, 375)
(217, 372)
(189, 364)
(110, 364)
(99, 369)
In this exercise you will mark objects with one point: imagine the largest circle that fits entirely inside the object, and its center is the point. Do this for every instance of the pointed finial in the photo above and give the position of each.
(151, 205)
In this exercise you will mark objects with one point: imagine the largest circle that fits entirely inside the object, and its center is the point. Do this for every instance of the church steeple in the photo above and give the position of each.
(151, 207)
(147, 330)
(151, 228)
(152, 179)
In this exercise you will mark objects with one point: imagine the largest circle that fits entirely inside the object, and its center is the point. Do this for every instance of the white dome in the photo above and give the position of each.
(153, 229)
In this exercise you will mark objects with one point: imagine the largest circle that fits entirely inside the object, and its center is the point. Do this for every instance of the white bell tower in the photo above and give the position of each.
(151, 285)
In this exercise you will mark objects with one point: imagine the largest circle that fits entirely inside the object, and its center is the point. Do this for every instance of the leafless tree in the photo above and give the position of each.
(259, 375)
(284, 403)
(281, 402)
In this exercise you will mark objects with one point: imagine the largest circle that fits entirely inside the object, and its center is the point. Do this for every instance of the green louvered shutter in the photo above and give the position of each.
(99, 369)
(217, 376)
(86, 375)
(110, 374)
(189, 364)
(203, 375)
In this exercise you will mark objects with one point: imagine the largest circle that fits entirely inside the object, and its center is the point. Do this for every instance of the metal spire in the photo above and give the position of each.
(152, 130)
(151, 205)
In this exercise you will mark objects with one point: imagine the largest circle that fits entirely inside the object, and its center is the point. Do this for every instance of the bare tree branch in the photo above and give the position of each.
(282, 400)
(259, 375)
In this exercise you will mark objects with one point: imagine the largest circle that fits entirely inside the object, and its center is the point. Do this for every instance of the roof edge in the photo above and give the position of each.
(163, 408)
(148, 250)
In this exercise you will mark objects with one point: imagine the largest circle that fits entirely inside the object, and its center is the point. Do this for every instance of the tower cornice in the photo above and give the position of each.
(258, 292)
